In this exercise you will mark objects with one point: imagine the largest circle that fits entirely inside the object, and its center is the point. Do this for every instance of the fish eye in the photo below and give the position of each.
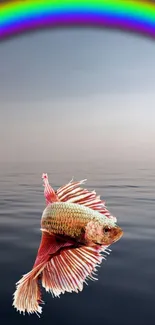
(106, 230)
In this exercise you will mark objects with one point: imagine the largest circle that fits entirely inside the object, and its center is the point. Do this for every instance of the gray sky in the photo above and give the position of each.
(77, 94)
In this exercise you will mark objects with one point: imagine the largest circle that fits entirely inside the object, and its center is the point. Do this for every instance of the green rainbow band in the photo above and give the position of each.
(16, 16)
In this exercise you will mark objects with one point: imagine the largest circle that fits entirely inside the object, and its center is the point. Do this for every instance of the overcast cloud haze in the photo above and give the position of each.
(76, 95)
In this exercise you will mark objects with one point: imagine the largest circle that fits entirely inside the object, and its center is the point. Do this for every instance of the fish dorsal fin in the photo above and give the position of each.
(68, 271)
(73, 192)
(49, 193)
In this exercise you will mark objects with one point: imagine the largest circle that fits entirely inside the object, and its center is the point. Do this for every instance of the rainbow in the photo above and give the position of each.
(20, 16)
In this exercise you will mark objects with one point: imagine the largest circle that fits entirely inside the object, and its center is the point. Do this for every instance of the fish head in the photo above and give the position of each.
(111, 234)
(105, 233)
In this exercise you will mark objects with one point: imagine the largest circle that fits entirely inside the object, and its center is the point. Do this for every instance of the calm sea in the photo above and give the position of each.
(125, 291)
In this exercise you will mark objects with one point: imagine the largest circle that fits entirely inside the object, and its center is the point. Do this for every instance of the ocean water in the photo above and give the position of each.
(125, 291)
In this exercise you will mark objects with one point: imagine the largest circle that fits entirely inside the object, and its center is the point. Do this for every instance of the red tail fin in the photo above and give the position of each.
(27, 296)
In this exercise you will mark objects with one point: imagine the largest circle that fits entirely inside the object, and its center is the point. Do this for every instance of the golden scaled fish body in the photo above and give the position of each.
(80, 223)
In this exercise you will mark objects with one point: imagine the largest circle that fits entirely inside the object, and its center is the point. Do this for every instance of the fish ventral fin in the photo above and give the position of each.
(69, 270)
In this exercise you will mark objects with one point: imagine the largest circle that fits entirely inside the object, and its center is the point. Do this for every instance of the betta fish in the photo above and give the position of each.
(76, 230)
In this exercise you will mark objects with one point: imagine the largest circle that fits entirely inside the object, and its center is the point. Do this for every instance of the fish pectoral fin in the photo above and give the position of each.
(49, 246)
(70, 269)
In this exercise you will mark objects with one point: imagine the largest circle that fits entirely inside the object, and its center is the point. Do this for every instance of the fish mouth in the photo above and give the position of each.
(117, 233)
